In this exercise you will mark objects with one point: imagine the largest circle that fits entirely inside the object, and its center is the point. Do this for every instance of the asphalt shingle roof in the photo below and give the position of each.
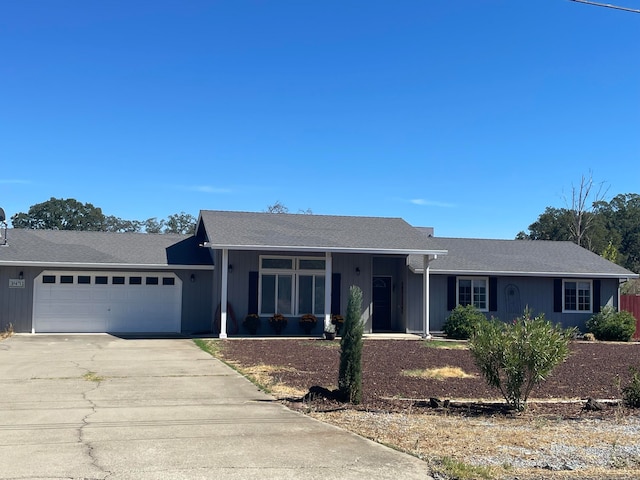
(517, 257)
(45, 247)
(273, 231)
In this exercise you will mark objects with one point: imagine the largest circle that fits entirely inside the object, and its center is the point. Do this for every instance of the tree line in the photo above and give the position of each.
(70, 214)
(609, 228)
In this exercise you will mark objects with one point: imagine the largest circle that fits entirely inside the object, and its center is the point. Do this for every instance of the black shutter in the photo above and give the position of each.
(451, 293)
(335, 294)
(493, 294)
(596, 296)
(253, 293)
(557, 295)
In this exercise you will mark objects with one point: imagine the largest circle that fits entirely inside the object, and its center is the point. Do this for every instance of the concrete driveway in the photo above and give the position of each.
(98, 407)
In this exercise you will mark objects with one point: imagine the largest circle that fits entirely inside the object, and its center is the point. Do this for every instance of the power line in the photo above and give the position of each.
(608, 5)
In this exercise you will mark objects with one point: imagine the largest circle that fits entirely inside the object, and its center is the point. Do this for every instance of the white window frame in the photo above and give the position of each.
(564, 297)
(295, 272)
(474, 279)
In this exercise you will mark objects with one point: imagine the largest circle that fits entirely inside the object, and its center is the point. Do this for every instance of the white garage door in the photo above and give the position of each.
(95, 302)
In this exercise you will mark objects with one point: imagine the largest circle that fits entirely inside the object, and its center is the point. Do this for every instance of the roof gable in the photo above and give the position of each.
(302, 232)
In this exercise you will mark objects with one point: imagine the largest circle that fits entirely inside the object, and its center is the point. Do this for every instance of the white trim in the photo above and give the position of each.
(322, 249)
(509, 273)
(295, 273)
(224, 293)
(426, 333)
(577, 281)
(473, 279)
(328, 273)
(93, 266)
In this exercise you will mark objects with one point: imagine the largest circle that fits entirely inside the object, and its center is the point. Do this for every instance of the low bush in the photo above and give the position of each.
(462, 322)
(612, 325)
(631, 393)
(515, 357)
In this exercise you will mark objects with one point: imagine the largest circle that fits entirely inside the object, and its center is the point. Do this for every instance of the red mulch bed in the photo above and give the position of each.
(594, 369)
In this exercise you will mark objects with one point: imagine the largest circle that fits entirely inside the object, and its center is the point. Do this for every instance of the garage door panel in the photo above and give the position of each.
(94, 308)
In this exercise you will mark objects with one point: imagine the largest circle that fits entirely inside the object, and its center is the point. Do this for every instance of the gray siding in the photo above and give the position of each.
(16, 304)
(244, 262)
(196, 301)
(513, 295)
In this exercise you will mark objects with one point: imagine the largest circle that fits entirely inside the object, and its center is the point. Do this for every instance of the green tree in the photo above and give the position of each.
(153, 225)
(180, 223)
(350, 375)
(60, 214)
(622, 219)
(116, 224)
(515, 357)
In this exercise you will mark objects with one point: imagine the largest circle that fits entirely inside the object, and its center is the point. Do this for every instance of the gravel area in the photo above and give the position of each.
(556, 437)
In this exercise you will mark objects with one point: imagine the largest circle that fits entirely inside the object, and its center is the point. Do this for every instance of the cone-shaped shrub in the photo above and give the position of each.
(350, 376)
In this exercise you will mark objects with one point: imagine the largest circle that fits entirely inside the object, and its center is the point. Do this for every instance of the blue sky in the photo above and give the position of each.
(470, 116)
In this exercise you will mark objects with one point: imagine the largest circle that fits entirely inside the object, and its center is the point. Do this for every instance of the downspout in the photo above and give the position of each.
(328, 273)
(223, 293)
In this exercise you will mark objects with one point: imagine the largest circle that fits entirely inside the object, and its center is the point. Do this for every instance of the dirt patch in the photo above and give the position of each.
(458, 420)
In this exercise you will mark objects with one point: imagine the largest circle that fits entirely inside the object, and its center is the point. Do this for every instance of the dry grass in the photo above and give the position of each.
(524, 446)
(267, 377)
(499, 447)
(441, 373)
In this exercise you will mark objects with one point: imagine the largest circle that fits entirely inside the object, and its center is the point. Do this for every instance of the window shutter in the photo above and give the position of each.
(596, 296)
(335, 294)
(451, 293)
(557, 295)
(253, 293)
(493, 294)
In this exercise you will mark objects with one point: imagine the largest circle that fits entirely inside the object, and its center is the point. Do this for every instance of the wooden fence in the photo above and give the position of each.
(631, 303)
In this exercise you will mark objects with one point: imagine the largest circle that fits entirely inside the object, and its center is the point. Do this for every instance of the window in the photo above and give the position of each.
(66, 278)
(117, 281)
(84, 279)
(48, 279)
(168, 281)
(152, 280)
(473, 291)
(135, 280)
(101, 280)
(577, 296)
(292, 285)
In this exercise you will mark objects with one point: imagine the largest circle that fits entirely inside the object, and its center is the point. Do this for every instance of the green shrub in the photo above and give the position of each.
(462, 322)
(350, 375)
(631, 393)
(517, 356)
(612, 325)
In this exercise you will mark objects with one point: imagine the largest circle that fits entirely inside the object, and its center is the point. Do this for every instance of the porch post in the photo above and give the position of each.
(328, 272)
(223, 293)
(425, 297)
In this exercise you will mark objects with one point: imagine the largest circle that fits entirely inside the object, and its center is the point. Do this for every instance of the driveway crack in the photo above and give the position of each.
(90, 449)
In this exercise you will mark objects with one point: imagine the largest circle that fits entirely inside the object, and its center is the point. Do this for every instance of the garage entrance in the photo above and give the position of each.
(115, 302)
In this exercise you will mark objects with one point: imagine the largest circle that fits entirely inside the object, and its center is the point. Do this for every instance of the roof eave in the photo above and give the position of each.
(305, 248)
(510, 273)
(122, 266)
